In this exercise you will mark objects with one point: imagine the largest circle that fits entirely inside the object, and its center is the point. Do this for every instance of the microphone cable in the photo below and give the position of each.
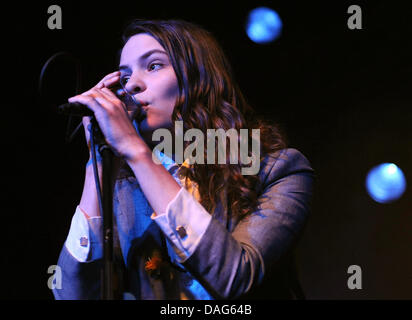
(68, 136)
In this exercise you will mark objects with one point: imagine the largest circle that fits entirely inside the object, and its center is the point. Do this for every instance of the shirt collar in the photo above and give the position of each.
(168, 161)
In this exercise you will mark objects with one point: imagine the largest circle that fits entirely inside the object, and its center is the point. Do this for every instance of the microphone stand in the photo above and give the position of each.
(106, 208)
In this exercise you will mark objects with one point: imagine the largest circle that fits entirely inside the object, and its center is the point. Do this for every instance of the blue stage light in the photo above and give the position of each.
(263, 25)
(385, 183)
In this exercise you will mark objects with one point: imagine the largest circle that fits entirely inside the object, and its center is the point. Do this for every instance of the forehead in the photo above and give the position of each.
(137, 45)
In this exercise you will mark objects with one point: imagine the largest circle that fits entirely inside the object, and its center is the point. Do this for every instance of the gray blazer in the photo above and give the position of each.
(248, 259)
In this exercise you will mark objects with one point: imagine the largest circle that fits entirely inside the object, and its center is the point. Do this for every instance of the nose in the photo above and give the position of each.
(135, 84)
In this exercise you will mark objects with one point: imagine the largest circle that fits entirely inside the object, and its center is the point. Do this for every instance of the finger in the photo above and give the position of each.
(97, 93)
(109, 93)
(87, 129)
(111, 96)
(107, 77)
(109, 82)
(110, 75)
(86, 122)
(107, 99)
(106, 95)
(99, 101)
(87, 100)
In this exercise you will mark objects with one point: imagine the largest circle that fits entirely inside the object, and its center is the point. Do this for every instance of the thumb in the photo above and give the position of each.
(87, 129)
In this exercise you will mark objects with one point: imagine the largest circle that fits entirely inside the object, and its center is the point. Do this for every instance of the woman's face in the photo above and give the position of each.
(148, 76)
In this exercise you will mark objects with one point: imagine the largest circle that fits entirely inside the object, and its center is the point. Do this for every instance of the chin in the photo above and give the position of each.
(149, 125)
(147, 128)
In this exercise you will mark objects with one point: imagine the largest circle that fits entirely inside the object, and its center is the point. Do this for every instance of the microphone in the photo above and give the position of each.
(74, 109)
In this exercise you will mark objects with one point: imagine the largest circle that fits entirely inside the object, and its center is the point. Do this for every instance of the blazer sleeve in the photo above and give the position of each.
(231, 264)
(80, 280)
(81, 265)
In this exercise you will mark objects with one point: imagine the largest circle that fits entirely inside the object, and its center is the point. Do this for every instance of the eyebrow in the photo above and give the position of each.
(143, 57)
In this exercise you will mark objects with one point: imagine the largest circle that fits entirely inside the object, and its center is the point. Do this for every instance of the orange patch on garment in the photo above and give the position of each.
(153, 264)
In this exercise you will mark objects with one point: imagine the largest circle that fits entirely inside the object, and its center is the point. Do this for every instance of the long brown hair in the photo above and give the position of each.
(210, 99)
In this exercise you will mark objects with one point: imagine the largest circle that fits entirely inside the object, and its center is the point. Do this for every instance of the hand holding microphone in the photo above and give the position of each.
(79, 109)
(112, 115)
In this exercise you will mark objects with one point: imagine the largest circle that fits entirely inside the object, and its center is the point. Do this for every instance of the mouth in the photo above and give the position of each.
(139, 113)
(139, 103)
(136, 108)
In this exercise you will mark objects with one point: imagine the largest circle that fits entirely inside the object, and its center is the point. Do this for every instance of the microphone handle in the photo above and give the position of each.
(74, 109)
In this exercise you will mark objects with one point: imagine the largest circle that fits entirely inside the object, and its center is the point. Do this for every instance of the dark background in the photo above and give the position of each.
(343, 97)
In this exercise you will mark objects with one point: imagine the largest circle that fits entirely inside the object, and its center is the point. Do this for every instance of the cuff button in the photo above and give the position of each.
(84, 241)
(181, 231)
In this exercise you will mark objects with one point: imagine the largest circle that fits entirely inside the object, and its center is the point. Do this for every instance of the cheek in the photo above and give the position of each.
(173, 89)
(170, 87)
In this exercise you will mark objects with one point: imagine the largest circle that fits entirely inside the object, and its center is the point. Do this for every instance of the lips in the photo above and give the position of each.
(140, 113)
(140, 103)
(136, 108)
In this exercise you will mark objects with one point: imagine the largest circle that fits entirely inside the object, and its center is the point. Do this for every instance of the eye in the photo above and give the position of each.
(124, 79)
(155, 66)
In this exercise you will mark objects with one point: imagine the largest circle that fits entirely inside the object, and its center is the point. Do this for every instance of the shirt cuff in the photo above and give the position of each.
(85, 238)
(184, 223)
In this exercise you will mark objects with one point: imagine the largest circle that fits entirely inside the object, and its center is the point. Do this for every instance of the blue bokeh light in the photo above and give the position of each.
(385, 183)
(263, 25)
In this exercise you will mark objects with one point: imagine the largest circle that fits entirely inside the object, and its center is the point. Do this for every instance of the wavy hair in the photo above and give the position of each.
(209, 98)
